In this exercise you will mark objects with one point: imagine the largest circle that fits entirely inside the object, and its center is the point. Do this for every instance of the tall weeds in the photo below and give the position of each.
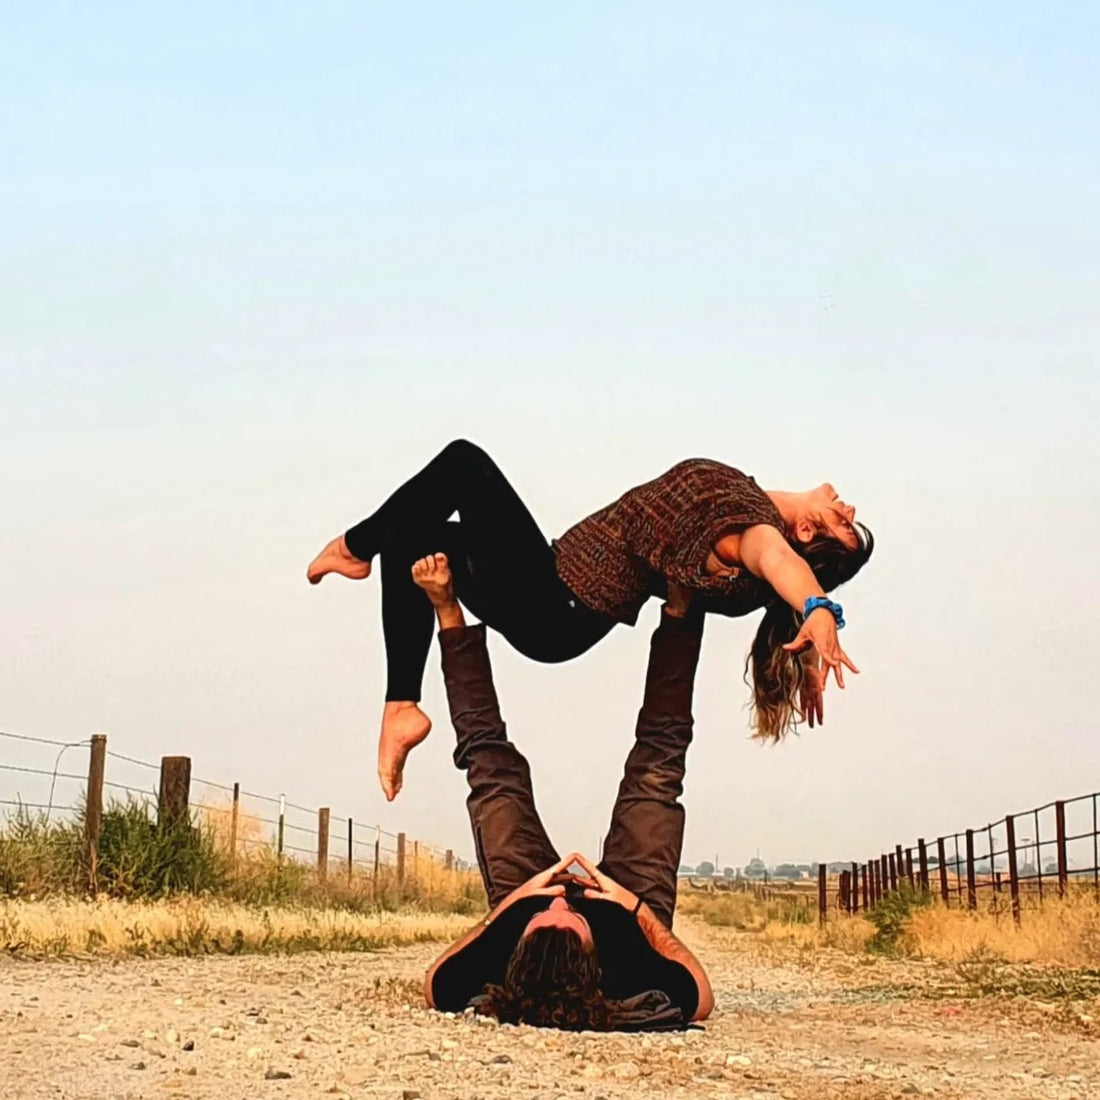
(140, 859)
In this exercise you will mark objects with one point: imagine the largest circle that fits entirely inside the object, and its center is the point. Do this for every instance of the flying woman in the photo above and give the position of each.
(702, 525)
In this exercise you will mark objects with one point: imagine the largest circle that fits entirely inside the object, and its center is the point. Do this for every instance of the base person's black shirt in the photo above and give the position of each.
(628, 963)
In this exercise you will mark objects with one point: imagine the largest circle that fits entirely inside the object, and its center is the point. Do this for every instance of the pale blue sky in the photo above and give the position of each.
(262, 264)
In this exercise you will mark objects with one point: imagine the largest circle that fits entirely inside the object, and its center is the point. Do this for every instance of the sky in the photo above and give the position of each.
(263, 261)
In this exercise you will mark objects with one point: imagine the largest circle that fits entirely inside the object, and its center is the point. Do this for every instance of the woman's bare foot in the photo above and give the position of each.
(404, 726)
(337, 558)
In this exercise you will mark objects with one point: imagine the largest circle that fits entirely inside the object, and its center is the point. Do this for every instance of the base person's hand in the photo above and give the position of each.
(606, 888)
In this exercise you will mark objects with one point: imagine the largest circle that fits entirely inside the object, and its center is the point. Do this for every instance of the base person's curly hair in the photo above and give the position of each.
(552, 980)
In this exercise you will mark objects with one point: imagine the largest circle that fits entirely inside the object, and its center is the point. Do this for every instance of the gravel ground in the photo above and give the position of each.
(819, 1026)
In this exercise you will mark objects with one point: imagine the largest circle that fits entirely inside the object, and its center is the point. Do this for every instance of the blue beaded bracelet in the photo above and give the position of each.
(814, 602)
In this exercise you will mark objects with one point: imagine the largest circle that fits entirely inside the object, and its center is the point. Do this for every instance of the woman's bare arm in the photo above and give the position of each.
(764, 552)
(767, 554)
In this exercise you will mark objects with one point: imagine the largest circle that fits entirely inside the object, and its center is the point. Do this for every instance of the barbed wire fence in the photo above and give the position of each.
(245, 821)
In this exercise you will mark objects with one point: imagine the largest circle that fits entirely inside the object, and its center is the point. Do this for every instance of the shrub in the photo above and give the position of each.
(890, 916)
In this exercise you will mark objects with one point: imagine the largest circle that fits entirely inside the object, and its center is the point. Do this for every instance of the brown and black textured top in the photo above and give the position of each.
(621, 555)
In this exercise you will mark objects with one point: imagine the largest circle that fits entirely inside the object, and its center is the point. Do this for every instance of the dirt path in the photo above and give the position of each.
(350, 1025)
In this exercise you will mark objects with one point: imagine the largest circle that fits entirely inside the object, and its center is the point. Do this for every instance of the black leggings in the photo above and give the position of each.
(503, 567)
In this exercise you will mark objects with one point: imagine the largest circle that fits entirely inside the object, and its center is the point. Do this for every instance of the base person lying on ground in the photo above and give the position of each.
(592, 950)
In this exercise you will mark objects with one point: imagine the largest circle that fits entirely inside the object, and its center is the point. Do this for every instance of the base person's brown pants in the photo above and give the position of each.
(642, 850)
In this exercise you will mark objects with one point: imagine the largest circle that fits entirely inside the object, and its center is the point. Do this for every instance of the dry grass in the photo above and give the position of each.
(190, 926)
(1061, 933)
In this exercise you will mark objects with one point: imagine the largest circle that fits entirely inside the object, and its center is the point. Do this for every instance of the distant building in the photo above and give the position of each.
(755, 869)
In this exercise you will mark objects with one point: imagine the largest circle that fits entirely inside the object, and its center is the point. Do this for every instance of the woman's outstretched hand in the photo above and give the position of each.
(812, 696)
(819, 630)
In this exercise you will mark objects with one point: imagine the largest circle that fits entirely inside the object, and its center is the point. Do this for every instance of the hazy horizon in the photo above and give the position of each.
(262, 266)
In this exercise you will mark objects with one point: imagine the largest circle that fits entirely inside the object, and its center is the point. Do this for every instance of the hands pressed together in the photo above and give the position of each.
(597, 886)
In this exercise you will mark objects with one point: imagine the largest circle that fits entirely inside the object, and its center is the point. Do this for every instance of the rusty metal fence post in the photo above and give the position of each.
(893, 873)
(822, 893)
(1013, 874)
(1060, 840)
(351, 848)
(941, 855)
(400, 860)
(971, 883)
(922, 863)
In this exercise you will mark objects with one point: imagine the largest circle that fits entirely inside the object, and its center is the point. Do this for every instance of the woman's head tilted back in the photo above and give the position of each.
(836, 548)
(552, 980)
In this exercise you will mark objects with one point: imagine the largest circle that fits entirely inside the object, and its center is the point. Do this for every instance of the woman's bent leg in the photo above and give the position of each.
(461, 478)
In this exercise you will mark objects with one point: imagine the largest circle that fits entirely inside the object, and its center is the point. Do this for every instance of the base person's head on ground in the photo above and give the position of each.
(553, 976)
(836, 549)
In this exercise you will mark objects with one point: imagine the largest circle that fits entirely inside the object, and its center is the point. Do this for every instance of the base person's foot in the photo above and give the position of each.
(337, 558)
(433, 574)
(404, 726)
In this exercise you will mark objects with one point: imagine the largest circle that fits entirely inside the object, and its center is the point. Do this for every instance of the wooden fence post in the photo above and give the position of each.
(922, 863)
(175, 791)
(866, 888)
(876, 881)
(843, 891)
(377, 852)
(971, 884)
(1013, 874)
(1060, 834)
(893, 873)
(822, 893)
(400, 859)
(323, 818)
(93, 805)
(234, 824)
(351, 848)
(416, 859)
(449, 860)
(899, 855)
(282, 825)
(941, 855)
(909, 868)
(855, 887)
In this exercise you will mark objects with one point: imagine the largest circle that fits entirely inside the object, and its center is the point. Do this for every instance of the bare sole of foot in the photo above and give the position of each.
(404, 726)
(337, 558)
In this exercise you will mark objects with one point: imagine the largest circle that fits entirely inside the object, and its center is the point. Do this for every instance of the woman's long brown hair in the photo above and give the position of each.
(777, 675)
